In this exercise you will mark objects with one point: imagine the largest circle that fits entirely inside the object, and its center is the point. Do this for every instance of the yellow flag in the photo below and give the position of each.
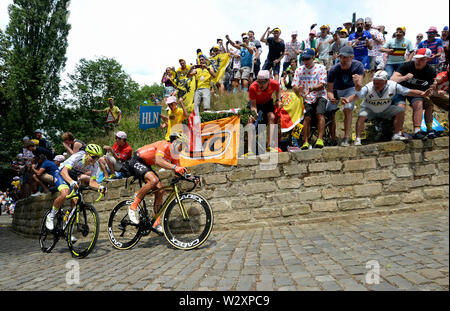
(220, 63)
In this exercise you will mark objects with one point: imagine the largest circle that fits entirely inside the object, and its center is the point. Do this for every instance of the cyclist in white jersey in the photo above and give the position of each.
(79, 167)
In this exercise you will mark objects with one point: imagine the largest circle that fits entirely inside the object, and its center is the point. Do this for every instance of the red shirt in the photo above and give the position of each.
(124, 153)
(162, 148)
(262, 97)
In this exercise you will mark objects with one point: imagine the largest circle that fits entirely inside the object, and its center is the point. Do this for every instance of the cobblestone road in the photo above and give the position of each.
(412, 250)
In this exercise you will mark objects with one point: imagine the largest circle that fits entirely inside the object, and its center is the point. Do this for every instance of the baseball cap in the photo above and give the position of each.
(294, 32)
(59, 158)
(347, 22)
(445, 28)
(402, 28)
(432, 29)
(346, 51)
(171, 99)
(26, 138)
(263, 75)
(380, 75)
(276, 29)
(121, 135)
(421, 53)
(38, 131)
(312, 32)
(368, 20)
(324, 27)
(309, 53)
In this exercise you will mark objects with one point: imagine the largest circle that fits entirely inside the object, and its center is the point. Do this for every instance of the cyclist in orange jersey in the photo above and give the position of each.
(161, 153)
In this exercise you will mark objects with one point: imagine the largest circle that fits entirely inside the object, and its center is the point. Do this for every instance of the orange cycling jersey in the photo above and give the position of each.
(162, 148)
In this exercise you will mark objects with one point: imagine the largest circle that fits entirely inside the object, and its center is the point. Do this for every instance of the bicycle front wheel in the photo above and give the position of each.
(122, 233)
(192, 231)
(84, 227)
(48, 238)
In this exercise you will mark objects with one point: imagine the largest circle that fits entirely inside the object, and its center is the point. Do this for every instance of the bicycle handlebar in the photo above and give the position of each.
(76, 191)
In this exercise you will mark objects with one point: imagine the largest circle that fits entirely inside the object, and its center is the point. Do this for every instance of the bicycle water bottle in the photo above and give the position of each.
(66, 216)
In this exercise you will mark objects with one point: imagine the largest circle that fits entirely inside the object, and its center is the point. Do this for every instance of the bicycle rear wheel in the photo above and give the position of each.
(122, 233)
(48, 238)
(192, 232)
(82, 234)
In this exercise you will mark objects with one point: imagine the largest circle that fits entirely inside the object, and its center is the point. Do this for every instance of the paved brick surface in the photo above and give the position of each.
(412, 250)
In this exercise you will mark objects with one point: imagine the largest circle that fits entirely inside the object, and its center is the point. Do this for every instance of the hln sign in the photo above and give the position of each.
(149, 117)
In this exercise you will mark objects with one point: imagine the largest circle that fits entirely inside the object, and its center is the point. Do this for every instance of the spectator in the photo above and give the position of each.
(45, 172)
(288, 75)
(336, 45)
(256, 56)
(440, 96)
(361, 42)
(323, 47)
(375, 56)
(292, 50)
(175, 116)
(166, 79)
(443, 65)
(310, 82)
(154, 100)
(343, 33)
(377, 103)
(348, 26)
(418, 75)
(113, 113)
(183, 70)
(72, 144)
(261, 102)
(246, 62)
(276, 51)
(42, 141)
(310, 43)
(344, 80)
(419, 39)
(38, 150)
(203, 75)
(120, 152)
(435, 45)
(396, 50)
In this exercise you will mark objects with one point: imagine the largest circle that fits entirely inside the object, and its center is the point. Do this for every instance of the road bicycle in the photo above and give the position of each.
(187, 218)
(79, 226)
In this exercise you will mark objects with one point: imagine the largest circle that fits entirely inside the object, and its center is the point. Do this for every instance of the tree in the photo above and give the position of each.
(38, 31)
(90, 86)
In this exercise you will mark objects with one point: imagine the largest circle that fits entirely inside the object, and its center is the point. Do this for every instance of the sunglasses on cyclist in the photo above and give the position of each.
(95, 157)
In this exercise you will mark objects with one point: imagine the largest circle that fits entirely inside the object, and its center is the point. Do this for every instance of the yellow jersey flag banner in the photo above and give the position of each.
(185, 89)
(220, 143)
(220, 63)
(291, 111)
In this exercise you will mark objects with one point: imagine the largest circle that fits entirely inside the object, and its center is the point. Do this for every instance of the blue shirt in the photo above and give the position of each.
(50, 167)
(433, 46)
(246, 58)
(342, 79)
(360, 49)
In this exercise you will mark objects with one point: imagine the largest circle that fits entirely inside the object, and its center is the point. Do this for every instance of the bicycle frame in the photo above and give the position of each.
(174, 194)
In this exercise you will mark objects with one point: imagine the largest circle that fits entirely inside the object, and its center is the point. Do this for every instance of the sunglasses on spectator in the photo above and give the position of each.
(419, 37)
(431, 33)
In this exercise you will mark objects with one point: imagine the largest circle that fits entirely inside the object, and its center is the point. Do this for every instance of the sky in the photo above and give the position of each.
(145, 36)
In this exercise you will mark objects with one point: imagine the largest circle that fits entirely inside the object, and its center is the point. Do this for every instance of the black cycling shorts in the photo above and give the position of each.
(137, 168)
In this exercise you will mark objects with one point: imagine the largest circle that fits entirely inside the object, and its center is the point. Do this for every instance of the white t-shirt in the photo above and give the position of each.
(380, 101)
(311, 78)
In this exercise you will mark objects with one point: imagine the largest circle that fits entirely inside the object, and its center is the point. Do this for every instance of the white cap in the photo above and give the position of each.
(263, 74)
(421, 53)
(294, 32)
(121, 135)
(171, 99)
(380, 75)
(59, 158)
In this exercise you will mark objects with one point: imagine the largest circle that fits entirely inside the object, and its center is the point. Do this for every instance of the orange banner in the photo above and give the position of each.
(220, 143)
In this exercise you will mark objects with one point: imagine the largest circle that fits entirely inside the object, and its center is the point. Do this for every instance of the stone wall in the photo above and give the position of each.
(306, 186)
